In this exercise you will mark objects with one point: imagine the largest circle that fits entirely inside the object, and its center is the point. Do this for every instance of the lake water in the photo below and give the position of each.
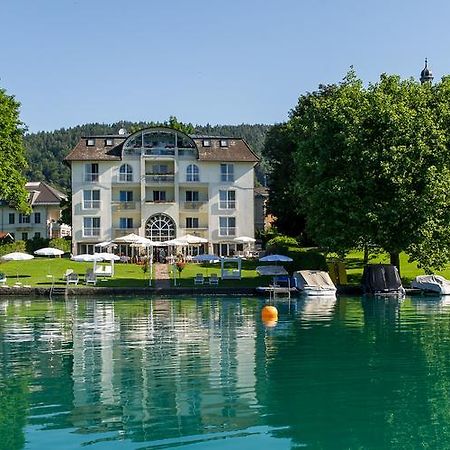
(209, 374)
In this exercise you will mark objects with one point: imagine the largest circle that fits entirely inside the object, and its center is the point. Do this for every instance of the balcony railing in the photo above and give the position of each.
(91, 204)
(195, 205)
(122, 206)
(118, 232)
(229, 231)
(91, 177)
(227, 204)
(159, 151)
(159, 178)
(124, 178)
(89, 232)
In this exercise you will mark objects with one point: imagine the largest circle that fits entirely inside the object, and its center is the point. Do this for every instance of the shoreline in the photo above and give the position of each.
(172, 291)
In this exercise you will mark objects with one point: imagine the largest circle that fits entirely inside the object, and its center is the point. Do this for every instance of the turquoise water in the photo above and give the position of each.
(209, 374)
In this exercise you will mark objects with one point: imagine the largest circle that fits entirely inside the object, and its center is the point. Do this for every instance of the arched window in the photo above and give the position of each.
(160, 228)
(125, 173)
(192, 173)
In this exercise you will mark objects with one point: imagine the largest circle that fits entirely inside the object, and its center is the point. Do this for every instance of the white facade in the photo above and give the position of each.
(44, 217)
(162, 185)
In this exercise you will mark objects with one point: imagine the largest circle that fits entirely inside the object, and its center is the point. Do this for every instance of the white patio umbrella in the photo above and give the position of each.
(191, 239)
(244, 240)
(107, 256)
(106, 244)
(276, 258)
(48, 251)
(17, 256)
(86, 258)
(206, 258)
(131, 238)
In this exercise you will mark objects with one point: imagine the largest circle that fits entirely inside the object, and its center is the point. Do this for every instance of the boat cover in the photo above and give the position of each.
(314, 279)
(381, 278)
(434, 283)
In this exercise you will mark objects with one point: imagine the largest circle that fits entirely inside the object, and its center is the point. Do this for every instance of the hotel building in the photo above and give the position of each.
(161, 183)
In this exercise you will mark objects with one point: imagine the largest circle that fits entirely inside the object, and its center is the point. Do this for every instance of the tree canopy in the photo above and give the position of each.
(371, 166)
(12, 154)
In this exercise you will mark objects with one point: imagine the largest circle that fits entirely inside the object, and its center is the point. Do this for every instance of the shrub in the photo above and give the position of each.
(36, 243)
(17, 246)
(62, 244)
(281, 244)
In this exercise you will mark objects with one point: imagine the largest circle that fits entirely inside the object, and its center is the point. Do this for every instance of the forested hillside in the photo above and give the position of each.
(46, 150)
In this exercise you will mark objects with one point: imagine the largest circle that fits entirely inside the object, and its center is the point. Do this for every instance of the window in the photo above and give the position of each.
(159, 196)
(160, 169)
(37, 217)
(24, 236)
(91, 172)
(226, 172)
(192, 173)
(125, 173)
(160, 228)
(126, 196)
(12, 218)
(91, 199)
(91, 226)
(23, 218)
(109, 142)
(90, 142)
(206, 143)
(192, 196)
(191, 222)
(227, 226)
(37, 235)
(223, 143)
(227, 199)
(126, 222)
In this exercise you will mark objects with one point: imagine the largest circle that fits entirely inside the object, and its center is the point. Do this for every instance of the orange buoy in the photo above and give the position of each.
(269, 314)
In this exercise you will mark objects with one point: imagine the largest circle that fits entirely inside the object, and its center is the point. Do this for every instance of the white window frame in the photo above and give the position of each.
(90, 142)
(90, 229)
(227, 230)
(128, 220)
(125, 173)
(194, 222)
(224, 143)
(109, 142)
(206, 143)
(24, 218)
(227, 203)
(90, 175)
(226, 172)
(91, 202)
(192, 173)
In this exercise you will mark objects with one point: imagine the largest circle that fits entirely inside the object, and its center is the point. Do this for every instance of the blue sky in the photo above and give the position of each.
(224, 62)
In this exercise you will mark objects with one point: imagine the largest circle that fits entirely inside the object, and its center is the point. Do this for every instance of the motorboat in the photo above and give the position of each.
(432, 283)
(382, 280)
(314, 282)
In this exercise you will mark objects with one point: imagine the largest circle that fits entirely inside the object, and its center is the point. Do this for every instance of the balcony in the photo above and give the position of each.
(124, 206)
(194, 206)
(229, 231)
(159, 178)
(91, 232)
(168, 150)
(91, 204)
(124, 179)
(119, 232)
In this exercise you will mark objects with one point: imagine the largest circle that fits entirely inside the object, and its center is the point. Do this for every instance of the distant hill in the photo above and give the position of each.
(46, 150)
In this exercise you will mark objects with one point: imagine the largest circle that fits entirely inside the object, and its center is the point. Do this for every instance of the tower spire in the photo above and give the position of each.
(426, 76)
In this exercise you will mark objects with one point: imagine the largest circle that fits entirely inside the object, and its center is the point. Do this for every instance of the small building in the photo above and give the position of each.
(45, 202)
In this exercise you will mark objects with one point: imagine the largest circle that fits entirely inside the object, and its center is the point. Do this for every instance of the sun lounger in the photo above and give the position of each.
(214, 279)
(72, 278)
(199, 279)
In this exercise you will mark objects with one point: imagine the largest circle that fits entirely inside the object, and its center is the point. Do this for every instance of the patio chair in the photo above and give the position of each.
(214, 279)
(72, 278)
(67, 273)
(2, 279)
(90, 278)
(199, 279)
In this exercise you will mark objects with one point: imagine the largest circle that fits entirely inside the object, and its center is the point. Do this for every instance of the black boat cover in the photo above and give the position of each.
(381, 278)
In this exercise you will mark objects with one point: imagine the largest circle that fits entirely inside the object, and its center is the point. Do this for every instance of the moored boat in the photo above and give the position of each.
(432, 283)
(314, 282)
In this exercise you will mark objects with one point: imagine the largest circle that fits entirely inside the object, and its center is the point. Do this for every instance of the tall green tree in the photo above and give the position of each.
(372, 167)
(12, 154)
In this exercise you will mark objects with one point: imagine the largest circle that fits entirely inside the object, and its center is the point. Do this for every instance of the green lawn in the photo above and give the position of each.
(38, 272)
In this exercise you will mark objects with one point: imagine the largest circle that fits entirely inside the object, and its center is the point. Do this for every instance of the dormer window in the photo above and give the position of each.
(109, 142)
(90, 142)
(223, 143)
(206, 143)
